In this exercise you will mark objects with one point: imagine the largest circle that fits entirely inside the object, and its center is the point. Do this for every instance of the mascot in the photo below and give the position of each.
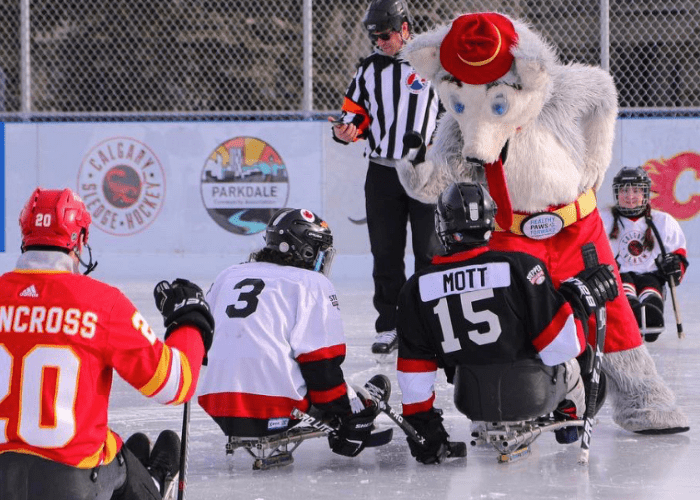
(540, 134)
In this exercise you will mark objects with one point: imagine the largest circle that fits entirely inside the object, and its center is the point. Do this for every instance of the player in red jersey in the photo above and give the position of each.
(62, 335)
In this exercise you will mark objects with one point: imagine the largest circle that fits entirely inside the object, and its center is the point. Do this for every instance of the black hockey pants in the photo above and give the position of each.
(389, 209)
(28, 477)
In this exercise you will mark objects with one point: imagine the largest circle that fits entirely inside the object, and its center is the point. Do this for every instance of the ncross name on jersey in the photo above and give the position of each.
(464, 279)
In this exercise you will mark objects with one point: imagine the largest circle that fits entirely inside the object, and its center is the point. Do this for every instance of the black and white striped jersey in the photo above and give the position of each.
(386, 99)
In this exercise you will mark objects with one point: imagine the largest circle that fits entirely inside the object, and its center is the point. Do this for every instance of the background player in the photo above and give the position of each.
(386, 99)
(279, 340)
(649, 247)
(61, 336)
(478, 306)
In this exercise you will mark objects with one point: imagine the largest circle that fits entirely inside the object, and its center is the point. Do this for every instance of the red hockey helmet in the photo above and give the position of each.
(54, 218)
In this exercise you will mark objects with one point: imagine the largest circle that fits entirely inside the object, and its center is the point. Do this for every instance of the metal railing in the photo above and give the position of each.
(271, 60)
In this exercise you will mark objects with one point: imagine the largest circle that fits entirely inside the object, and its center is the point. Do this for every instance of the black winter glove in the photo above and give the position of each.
(429, 425)
(354, 431)
(182, 303)
(415, 145)
(670, 266)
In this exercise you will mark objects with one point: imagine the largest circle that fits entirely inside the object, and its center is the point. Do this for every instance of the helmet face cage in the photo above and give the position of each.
(384, 15)
(302, 235)
(464, 216)
(632, 180)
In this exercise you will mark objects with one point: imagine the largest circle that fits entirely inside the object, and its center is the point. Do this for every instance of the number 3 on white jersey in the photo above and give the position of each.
(450, 342)
(33, 366)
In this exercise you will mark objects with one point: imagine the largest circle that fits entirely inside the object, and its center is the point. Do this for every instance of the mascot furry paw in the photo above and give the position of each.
(541, 135)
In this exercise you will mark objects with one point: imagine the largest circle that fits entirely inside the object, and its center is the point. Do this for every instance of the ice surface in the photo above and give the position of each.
(623, 465)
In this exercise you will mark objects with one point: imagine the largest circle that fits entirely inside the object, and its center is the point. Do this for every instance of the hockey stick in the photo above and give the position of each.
(454, 449)
(669, 279)
(376, 438)
(590, 259)
(182, 481)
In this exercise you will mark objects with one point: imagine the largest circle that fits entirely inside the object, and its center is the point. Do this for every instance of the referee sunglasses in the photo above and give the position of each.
(381, 36)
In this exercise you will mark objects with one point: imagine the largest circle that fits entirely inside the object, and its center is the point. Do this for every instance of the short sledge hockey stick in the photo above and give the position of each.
(670, 281)
(182, 480)
(379, 438)
(590, 260)
(455, 449)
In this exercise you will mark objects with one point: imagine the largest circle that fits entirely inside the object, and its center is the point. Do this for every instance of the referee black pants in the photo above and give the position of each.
(389, 210)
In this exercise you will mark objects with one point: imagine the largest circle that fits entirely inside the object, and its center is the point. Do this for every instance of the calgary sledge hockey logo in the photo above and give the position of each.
(244, 182)
(122, 184)
(632, 249)
(415, 83)
(672, 190)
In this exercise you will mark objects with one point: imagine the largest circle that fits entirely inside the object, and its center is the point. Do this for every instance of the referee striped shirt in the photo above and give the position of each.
(386, 99)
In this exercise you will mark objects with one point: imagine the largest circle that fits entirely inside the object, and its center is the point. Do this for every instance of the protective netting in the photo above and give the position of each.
(260, 59)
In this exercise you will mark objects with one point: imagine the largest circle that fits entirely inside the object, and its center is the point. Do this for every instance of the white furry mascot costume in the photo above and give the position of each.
(541, 133)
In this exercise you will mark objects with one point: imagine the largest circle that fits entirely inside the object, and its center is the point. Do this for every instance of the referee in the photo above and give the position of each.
(386, 99)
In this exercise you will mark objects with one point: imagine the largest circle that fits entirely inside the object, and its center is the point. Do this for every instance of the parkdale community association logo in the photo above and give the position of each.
(244, 182)
(122, 184)
(674, 184)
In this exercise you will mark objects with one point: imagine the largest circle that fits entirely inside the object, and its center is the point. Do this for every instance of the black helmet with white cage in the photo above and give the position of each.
(465, 216)
(627, 180)
(301, 238)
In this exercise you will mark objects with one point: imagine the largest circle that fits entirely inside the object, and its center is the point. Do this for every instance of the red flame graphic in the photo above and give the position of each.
(664, 174)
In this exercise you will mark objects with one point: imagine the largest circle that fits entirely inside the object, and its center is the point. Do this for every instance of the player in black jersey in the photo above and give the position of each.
(476, 306)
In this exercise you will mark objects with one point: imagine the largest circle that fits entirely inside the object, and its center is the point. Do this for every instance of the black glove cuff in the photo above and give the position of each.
(203, 322)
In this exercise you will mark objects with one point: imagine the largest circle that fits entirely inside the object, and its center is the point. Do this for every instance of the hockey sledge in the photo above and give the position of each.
(510, 405)
(650, 333)
(275, 450)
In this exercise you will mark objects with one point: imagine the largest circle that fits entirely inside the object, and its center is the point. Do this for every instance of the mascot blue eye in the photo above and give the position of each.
(457, 106)
(499, 105)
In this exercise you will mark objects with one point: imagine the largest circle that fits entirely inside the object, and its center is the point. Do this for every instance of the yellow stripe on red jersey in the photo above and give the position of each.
(61, 336)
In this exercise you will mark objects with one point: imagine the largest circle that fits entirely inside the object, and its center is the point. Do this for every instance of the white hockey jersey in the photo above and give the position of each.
(628, 247)
(278, 344)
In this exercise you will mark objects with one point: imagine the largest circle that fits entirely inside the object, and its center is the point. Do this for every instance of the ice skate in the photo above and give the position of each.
(385, 343)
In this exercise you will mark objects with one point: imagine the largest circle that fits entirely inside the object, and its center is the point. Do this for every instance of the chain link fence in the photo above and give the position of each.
(266, 59)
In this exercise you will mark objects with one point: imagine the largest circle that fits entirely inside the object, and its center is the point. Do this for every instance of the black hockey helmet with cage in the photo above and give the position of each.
(465, 216)
(302, 235)
(632, 177)
(385, 15)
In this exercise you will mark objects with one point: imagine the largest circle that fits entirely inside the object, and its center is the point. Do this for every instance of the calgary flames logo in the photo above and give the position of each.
(665, 175)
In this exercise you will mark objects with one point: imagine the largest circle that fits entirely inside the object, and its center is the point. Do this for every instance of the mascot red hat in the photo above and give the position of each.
(476, 50)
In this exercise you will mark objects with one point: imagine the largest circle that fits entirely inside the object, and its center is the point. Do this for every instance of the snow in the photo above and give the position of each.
(622, 465)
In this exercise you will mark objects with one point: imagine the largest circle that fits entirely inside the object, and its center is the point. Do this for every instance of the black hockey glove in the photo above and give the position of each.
(601, 282)
(354, 431)
(589, 289)
(182, 303)
(670, 266)
(429, 425)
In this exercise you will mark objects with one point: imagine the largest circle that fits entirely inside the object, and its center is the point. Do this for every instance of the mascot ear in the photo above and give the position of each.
(425, 61)
(423, 52)
(533, 74)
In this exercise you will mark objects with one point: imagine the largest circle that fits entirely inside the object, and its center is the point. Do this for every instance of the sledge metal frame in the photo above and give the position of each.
(274, 450)
(512, 440)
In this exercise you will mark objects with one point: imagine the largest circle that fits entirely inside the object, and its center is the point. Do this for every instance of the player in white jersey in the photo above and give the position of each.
(279, 341)
(649, 247)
